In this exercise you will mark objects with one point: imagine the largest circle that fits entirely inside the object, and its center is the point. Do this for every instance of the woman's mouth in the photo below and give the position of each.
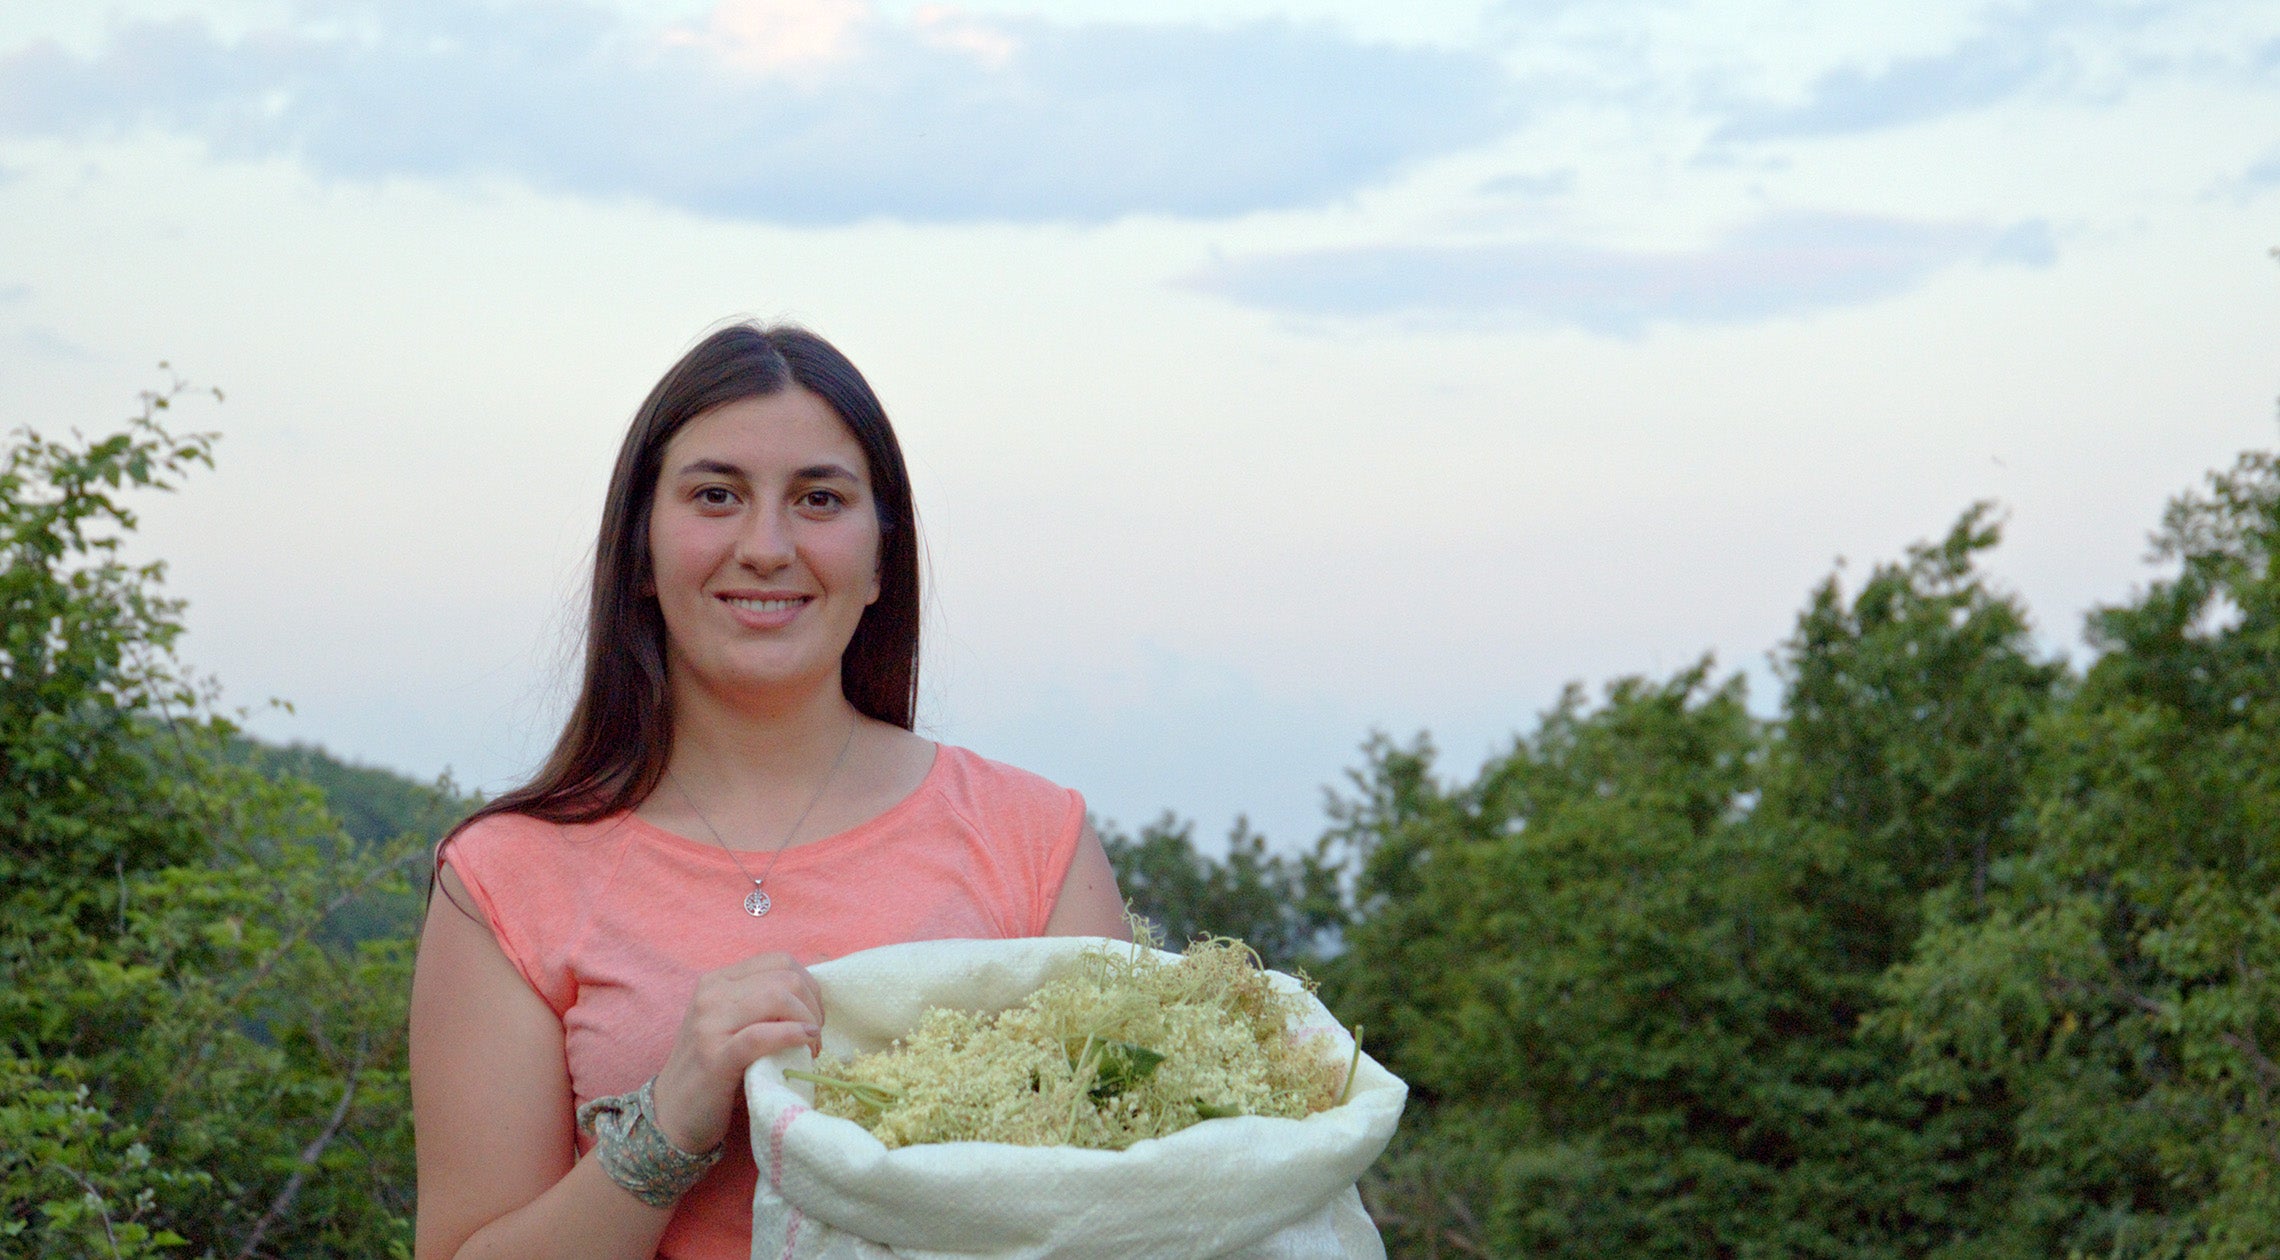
(765, 605)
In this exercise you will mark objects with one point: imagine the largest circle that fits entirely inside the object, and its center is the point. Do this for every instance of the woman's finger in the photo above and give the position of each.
(755, 1042)
(815, 994)
(762, 964)
(772, 966)
(726, 1001)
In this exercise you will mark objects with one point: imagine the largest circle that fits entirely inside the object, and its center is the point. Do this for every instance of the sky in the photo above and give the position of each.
(1271, 372)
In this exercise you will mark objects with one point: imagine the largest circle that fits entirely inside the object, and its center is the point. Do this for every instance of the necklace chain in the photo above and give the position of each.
(758, 902)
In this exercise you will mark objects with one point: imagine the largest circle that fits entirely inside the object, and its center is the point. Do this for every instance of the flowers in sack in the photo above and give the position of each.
(1128, 1046)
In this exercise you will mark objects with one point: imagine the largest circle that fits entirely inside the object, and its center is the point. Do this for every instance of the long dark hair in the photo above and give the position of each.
(613, 749)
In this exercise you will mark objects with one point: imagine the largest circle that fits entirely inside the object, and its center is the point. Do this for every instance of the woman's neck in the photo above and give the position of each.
(749, 754)
(760, 780)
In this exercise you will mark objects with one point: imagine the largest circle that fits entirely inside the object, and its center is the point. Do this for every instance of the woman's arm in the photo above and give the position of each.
(1089, 903)
(499, 1173)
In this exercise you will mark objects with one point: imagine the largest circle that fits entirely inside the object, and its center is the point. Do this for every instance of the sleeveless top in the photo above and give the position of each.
(611, 923)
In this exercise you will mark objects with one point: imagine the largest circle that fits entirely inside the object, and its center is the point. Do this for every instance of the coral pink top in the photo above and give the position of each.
(612, 922)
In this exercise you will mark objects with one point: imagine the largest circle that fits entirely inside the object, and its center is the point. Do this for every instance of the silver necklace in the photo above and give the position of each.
(757, 902)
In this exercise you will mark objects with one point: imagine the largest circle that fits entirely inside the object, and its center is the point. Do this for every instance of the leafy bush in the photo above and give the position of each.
(189, 1061)
(1962, 953)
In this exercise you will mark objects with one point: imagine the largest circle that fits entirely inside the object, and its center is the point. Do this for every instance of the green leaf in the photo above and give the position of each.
(1117, 1066)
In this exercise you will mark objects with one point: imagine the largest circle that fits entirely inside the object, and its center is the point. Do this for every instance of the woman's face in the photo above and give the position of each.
(764, 546)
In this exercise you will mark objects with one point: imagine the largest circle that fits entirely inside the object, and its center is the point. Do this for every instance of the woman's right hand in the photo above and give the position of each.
(499, 1170)
(739, 1014)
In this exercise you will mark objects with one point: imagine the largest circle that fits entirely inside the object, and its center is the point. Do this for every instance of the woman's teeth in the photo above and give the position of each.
(767, 605)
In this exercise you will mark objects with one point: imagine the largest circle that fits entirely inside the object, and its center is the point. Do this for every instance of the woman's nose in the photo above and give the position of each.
(765, 545)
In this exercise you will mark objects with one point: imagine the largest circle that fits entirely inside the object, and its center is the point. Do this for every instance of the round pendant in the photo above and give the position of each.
(756, 902)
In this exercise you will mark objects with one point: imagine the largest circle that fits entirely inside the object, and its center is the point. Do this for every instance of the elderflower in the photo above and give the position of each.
(1126, 1047)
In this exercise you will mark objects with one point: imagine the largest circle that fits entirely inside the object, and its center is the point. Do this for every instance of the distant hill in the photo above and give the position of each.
(373, 805)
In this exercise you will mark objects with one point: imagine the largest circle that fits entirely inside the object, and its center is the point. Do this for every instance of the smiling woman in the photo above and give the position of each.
(606, 962)
(763, 546)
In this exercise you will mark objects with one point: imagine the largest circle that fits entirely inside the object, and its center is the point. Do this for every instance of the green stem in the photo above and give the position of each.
(1083, 1073)
(876, 1097)
(1353, 1065)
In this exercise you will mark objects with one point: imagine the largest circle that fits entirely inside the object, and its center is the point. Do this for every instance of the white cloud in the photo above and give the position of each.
(767, 36)
(791, 111)
(952, 28)
(1779, 266)
(2264, 173)
(2087, 53)
(1978, 72)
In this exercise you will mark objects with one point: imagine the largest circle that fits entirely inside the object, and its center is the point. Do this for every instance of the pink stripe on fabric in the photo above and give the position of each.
(776, 1145)
(776, 1173)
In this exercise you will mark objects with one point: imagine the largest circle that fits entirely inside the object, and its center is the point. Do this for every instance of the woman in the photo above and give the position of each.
(737, 793)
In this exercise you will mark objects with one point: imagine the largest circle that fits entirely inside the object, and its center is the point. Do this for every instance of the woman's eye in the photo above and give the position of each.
(715, 497)
(821, 500)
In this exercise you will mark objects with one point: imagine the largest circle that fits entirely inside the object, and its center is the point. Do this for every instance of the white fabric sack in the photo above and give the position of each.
(1250, 1187)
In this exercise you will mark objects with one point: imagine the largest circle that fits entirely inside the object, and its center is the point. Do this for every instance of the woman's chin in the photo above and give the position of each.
(758, 687)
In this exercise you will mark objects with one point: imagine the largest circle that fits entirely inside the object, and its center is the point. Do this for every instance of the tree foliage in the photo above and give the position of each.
(1283, 907)
(1960, 953)
(191, 1061)
(2113, 995)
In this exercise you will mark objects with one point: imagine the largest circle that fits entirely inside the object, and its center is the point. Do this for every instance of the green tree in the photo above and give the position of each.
(1286, 908)
(1626, 968)
(1907, 726)
(189, 1062)
(1550, 955)
(2114, 996)
(373, 807)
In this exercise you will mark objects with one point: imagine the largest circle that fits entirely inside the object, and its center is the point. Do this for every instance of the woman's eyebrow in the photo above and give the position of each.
(722, 468)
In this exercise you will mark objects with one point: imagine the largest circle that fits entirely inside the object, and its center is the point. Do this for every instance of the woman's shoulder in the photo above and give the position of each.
(488, 838)
(1029, 825)
(521, 847)
(520, 871)
(981, 786)
(969, 766)
(502, 831)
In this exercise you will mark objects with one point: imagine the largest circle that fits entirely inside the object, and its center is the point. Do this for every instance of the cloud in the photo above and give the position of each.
(2265, 60)
(1978, 72)
(1530, 184)
(792, 111)
(1782, 266)
(777, 34)
(41, 343)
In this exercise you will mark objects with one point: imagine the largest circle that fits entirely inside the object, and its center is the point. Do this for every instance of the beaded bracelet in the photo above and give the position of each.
(636, 1153)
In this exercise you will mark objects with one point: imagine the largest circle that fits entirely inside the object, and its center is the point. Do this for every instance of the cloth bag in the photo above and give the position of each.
(1250, 1187)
